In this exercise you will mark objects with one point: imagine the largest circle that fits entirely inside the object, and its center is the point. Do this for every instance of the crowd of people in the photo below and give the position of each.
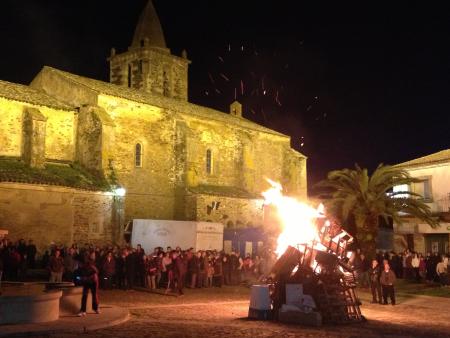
(125, 268)
(173, 269)
(381, 273)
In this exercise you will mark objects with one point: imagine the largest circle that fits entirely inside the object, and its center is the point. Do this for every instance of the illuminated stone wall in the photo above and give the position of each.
(11, 115)
(61, 215)
(230, 211)
(57, 130)
(150, 187)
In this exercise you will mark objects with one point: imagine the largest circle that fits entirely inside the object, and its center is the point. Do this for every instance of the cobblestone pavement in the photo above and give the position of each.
(222, 313)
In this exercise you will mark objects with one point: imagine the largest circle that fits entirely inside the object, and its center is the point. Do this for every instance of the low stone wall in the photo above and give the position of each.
(56, 214)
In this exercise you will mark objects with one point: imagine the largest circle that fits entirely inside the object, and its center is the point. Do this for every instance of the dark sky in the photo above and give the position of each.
(353, 83)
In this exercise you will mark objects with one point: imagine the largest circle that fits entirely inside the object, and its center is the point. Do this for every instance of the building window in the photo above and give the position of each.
(140, 67)
(209, 162)
(138, 155)
(129, 75)
(423, 188)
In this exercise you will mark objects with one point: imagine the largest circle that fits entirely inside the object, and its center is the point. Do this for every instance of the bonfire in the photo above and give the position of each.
(311, 281)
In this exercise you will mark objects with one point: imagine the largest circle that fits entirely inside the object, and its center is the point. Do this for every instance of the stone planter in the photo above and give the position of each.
(35, 308)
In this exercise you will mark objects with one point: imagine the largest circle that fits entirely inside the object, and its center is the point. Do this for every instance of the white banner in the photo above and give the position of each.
(198, 235)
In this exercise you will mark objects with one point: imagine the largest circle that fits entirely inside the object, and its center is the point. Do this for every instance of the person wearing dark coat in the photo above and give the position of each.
(31, 254)
(130, 269)
(234, 268)
(179, 271)
(88, 277)
(218, 272)
(140, 265)
(226, 269)
(193, 269)
(374, 279)
(120, 270)
(108, 271)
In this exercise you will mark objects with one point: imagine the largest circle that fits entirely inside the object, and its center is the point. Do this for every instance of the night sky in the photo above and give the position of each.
(349, 83)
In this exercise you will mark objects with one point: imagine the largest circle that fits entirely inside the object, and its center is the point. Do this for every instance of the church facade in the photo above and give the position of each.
(176, 160)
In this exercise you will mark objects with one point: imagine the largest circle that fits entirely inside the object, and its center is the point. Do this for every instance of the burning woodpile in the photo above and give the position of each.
(311, 282)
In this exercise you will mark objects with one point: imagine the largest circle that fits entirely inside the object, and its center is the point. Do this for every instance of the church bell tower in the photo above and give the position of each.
(148, 64)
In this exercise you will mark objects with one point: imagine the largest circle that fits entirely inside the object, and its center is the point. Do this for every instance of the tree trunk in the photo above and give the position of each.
(367, 236)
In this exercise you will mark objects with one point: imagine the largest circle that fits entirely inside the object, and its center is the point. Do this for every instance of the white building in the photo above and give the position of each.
(433, 171)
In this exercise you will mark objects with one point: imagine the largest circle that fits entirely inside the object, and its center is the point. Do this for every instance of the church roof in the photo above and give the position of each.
(177, 105)
(149, 27)
(439, 157)
(26, 94)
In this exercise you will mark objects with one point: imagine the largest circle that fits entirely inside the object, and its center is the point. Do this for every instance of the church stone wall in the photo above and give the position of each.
(11, 124)
(55, 127)
(61, 215)
(230, 211)
(150, 187)
(60, 131)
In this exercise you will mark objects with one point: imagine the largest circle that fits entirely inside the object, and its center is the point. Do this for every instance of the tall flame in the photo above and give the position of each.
(297, 218)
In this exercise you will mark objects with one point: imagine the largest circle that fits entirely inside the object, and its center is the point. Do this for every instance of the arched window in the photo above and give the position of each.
(138, 155)
(209, 162)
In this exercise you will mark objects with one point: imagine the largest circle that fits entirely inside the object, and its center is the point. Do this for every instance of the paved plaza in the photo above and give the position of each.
(222, 313)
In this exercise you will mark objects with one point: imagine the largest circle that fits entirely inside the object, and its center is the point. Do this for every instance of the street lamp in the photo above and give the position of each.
(120, 192)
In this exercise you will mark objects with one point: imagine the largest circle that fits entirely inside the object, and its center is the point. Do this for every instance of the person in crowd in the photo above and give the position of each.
(364, 271)
(56, 267)
(140, 265)
(226, 269)
(409, 271)
(178, 272)
(158, 263)
(234, 268)
(422, 267)
(151, 268)
(415, 262)
(31, 254)
(45, 259)
(429, 268)
(166, 267)
(210, 273)
(108, 270)
(375, 285)
(130, 269)
(387, 280)
(89, 280)
(203, 271)
(441, 272)
(218, 279)
(194, 269)
(70, 265)
(120, 275)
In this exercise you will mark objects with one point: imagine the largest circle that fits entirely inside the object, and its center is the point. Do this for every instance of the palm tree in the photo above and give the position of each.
(353, 197)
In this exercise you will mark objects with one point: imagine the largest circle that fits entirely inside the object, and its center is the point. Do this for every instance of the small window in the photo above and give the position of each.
(140, 67)
(138, 155)
(129, 75)
(209, 162)
(423, 188)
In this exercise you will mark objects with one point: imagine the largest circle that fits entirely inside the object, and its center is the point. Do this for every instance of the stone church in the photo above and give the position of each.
(175, 159)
